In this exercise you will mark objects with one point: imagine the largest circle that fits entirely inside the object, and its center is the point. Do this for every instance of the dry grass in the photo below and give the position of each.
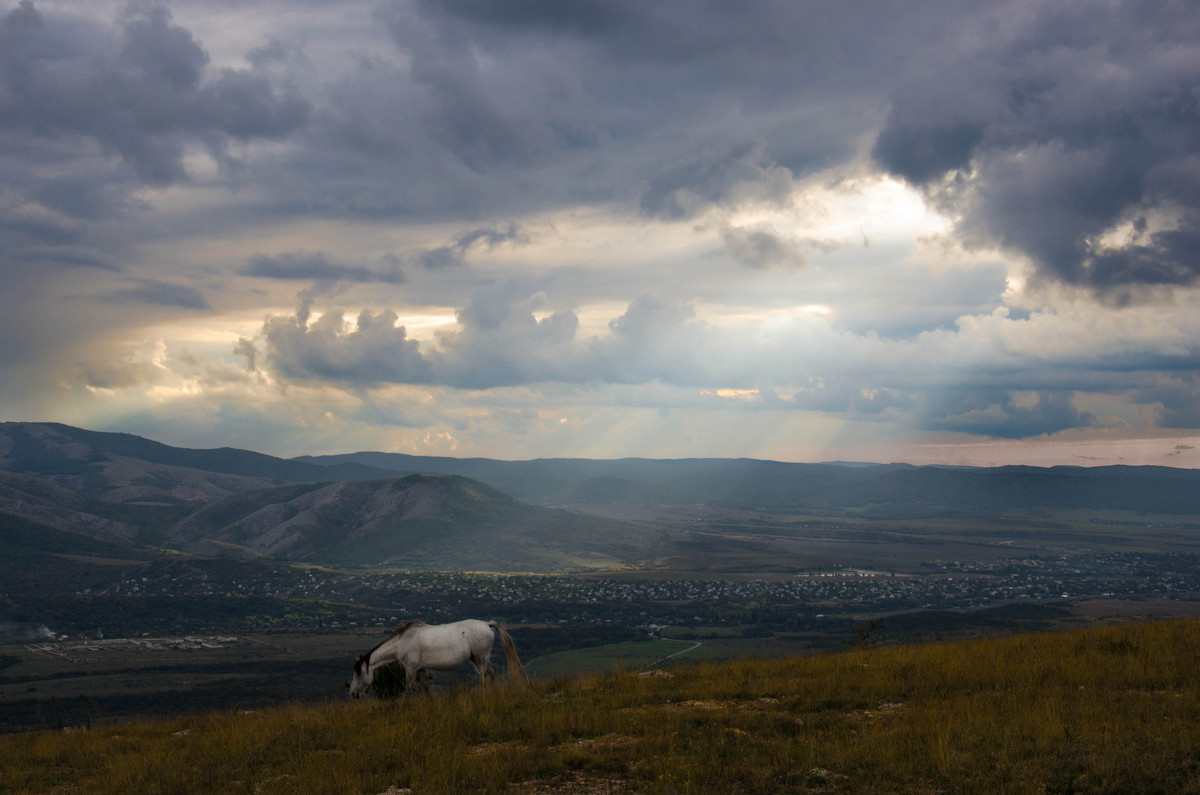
(1113, 709)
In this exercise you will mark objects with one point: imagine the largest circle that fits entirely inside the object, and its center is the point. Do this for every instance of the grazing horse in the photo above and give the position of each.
(418, 646)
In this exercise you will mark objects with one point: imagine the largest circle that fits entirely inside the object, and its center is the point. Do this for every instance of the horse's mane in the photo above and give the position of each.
(400, 630)
(405, 627)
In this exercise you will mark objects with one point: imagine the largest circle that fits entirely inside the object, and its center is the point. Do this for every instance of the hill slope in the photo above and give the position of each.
(418, 521)
(39, 500)
(1101, 710)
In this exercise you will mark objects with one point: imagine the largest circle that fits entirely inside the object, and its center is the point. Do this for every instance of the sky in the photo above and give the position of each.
(933, 232)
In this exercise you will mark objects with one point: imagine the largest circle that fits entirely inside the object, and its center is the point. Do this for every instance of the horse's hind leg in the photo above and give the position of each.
(481, 667)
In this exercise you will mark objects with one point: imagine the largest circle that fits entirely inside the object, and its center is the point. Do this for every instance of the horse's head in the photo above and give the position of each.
(361, 681)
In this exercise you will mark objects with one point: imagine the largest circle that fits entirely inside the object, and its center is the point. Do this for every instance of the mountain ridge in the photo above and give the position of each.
(541, 514)
(49, 447)
(756, 483)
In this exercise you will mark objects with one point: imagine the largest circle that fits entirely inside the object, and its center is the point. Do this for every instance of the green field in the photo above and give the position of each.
(604, 659)
(663, 654)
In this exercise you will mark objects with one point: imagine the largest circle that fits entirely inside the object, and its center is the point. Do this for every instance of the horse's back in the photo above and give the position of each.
(444, 646)
(467, 628)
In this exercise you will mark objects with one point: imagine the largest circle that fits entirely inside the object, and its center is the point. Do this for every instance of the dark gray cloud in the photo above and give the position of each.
(1166, 257)
(680, 106)
(999, 413)
(672, 106)
(25, 225)
(441, 257)
(316, 266)
(68, 256)
(523, 109)
(455, 254)
(492, 237)
(142, 95)
(1067, 121)
(922, 153)
(727, 177)
(1177, 397)
(95, 193)
(160, 293)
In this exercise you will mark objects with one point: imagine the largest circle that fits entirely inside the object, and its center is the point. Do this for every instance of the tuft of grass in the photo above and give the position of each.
(1114, 709)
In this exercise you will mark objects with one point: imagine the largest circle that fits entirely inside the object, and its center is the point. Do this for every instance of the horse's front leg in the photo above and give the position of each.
(412, 679)
(419, 679)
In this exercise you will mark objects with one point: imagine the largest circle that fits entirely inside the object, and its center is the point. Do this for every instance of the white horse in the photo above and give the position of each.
(418, 646)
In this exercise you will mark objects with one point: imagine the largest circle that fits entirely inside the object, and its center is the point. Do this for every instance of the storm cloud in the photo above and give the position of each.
(535, 228)
(1070, 134)
(140, 95)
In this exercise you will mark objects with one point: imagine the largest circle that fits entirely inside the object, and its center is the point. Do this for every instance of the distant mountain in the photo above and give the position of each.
(871, 489)
(119, 467)
(431, 512)
(419, 521)
(557, 481)
(124, 489)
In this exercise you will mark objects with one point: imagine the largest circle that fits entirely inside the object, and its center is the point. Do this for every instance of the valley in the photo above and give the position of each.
(143, 580)
(170, 634)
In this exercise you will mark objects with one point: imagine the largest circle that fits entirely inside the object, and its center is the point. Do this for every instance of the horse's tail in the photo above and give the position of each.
(510, 651)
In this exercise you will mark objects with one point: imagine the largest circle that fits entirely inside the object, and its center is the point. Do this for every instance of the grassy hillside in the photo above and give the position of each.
(1113, 709)
(419, 521)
